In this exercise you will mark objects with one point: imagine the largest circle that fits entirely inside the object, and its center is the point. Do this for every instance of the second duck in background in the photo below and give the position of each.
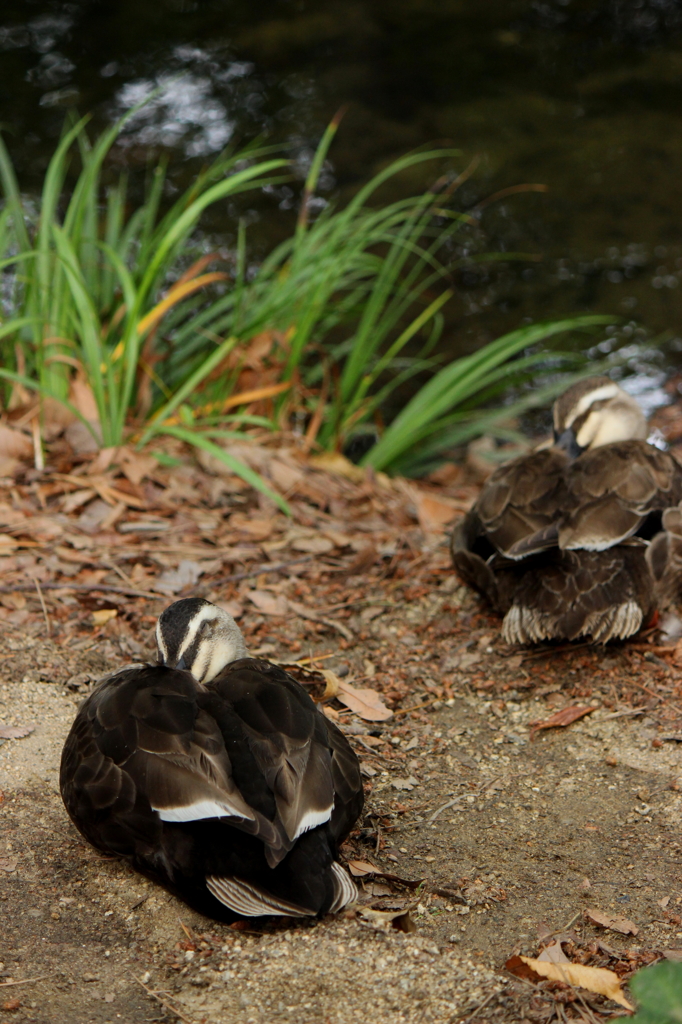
(583, 538)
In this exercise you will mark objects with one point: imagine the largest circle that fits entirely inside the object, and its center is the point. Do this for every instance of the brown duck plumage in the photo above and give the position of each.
(583, 538)
(225, 783)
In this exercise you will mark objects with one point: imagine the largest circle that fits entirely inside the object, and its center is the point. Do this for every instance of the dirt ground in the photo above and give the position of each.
(491, 834)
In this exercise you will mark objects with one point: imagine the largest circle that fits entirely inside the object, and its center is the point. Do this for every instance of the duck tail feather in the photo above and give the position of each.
(345, 891)
(250, 900)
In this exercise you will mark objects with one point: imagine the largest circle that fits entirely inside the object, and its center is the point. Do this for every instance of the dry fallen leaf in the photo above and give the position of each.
(136, 466)
(554, 954)
(313, 545)
(365, 703)
(15, 732)
(358, 868)
(268, 603)
(615, 922)
(257, 529)
(434, 514)
(335, 462)
(7, 544)
(405, 785)
(8, 864)
(14, 444)
(595, 979)
(561, 718)
(103, 615)
(172, 581)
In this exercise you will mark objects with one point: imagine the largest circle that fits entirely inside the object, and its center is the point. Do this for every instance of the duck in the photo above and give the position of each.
(216, 775)
(582, 537)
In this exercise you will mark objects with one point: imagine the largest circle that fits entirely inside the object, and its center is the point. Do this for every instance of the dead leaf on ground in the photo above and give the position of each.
(257, 529)
(135, 465)
(285, 477)
(368, 704)
(405, 785)
(615, 922)
(358, 868)
(362, 868)
(595, 979)
(172, 581)
(14, 444)
(561, 718)
(268, 603)
(15, 732)
(335, 462)
(8, 864)
(101, 616)
(313, 545)
(434, 514)
(306, 613)
(554, 954)
(363, 561)
(673, 954)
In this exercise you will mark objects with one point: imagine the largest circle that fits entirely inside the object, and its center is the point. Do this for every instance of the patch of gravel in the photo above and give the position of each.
(337, 971)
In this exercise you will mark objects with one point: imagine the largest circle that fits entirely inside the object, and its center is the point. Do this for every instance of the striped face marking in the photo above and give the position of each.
(199, 636)
(602, 394)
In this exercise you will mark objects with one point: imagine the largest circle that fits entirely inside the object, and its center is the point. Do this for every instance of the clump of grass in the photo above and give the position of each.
(351, 302)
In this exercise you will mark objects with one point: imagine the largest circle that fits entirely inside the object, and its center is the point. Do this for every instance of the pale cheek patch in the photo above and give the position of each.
(586, 434)
(599, 395)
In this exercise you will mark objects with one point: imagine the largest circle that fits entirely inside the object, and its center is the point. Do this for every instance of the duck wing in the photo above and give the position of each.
(521, 502)
(616, 491)
(515, 516)
(282, 747)
(142, 743)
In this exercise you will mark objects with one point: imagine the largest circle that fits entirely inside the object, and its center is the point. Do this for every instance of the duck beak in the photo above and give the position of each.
(568, 443)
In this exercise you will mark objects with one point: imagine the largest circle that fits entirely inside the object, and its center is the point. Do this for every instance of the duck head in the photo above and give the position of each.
(593, 412)
(198, 636)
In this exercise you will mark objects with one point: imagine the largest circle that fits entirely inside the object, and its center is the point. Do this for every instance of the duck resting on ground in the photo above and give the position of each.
(215, 774)
(581, 538)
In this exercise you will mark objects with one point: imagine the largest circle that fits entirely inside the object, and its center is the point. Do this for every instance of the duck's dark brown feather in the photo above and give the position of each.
(241, 778)
(553, 543)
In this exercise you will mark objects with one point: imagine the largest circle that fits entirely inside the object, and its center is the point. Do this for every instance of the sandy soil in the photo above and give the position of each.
(515, 836)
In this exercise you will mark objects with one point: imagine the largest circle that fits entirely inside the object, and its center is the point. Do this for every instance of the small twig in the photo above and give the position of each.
(450, 803)
(427, 704)
(277, 567)
(623, 714)
(478, 1009)
(92, 588)
(24, 981)
(43, 606)
(560, 931)
(119, 572)
(164, 1002)
(38, 457)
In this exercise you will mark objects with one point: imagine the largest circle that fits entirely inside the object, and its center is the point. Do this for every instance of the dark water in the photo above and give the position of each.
(584, 96)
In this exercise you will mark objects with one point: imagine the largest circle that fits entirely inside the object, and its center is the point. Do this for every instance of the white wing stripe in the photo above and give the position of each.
(312, 818)
(202, 809)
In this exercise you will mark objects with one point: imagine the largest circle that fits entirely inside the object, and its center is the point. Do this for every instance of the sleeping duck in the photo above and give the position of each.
(582, 538)
(215, 774)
